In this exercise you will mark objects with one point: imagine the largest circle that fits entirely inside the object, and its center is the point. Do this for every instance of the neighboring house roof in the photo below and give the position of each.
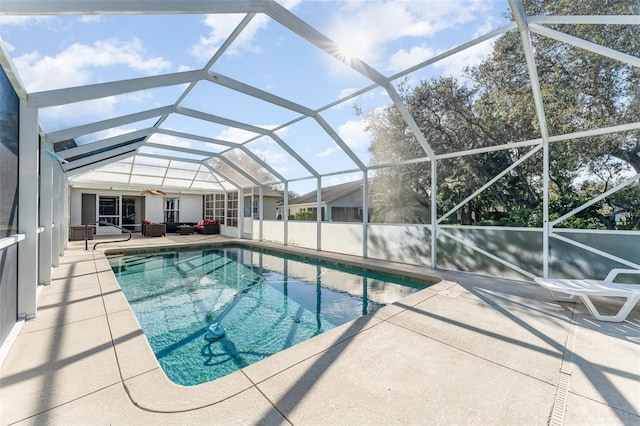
(328, 194)
(266, 192)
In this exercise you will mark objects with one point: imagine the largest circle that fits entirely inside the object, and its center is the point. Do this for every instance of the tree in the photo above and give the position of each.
(581, 91)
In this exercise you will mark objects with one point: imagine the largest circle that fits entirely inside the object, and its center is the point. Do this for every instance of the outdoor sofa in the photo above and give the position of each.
(207, 226)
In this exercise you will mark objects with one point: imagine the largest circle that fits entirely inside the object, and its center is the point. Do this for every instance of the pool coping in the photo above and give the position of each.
(150, 389)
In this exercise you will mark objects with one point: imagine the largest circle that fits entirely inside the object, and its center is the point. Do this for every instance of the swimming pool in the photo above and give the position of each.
(263, 301)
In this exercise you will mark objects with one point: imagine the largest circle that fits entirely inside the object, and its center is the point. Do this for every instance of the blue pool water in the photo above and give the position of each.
(266, 302)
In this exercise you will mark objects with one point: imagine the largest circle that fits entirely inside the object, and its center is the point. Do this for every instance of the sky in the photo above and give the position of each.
(65, 51)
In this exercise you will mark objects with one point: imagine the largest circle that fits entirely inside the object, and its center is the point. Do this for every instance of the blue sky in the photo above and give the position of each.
(66, 51)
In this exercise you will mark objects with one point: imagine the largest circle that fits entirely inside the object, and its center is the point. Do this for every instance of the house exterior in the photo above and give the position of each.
(339, 203)
(271, 198)
(129, 208)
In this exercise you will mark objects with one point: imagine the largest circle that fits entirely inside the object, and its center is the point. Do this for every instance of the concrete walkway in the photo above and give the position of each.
(468, 350)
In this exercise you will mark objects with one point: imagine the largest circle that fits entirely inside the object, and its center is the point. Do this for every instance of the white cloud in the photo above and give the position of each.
(366, 27)
(233, 134)
(346, 92)
(170, 141)
(23, 21)
(220, 27)
(353, 133)
(340, 179)
(270, 156)
(73, 66)
(90, 19)
(454, 65)
(402, 59)
(327, 152)
(69, 115)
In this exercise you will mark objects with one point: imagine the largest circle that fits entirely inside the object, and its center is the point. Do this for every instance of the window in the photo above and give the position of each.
(208, 206)
(214, 207)
(255, 209)
(218, 208)
(171, 210)
(232, 209)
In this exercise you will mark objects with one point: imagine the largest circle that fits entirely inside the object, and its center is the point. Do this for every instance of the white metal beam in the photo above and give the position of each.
(46, 214)
(596, 199)
(525, 41)
(110, 123)
(244, 126)
(337, 139)
(489, 183)
(196, 138)
(186, 150)
(80, 167)
(28, 212)
(105, 143)
(596, 132)
(457, 49)
(596, 251)
(236, 32)
(239, 171)
(294, 154)
(57, 246)
(585, 19)
(221, 120)
(492, 256)
(168, 157)
(218, 172)
(587, 45)
(258, 93)
(415, 129)
(69, 95)
(315, 37)
(123, 7)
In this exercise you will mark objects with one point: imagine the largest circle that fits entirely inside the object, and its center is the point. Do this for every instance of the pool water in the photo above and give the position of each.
(265, 301)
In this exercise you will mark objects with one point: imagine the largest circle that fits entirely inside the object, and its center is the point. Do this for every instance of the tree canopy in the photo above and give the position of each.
(494, 105)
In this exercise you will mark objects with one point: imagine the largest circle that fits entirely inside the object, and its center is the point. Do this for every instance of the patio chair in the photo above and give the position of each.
(154, 229)
(568, 290)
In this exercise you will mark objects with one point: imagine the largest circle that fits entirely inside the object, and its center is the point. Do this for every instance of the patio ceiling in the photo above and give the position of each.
(177, 145)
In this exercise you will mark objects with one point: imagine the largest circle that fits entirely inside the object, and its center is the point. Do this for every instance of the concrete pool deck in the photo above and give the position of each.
(467, 350)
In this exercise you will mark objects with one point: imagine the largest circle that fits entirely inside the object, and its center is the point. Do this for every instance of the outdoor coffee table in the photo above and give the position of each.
(184, 229)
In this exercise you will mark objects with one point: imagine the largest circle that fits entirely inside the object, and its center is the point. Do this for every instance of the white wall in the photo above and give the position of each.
(75, 206)
(342, 238)
(272, 230)
(399, 242)
(303, 234)
(153, 208)
(190, 207)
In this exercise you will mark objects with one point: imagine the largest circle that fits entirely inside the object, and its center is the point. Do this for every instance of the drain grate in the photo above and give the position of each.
(562, 393)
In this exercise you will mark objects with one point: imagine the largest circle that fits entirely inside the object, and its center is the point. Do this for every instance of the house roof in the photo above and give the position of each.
(328, 193)
(266, 192)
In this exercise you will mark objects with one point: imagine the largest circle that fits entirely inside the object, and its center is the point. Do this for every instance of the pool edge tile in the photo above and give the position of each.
(153, 391)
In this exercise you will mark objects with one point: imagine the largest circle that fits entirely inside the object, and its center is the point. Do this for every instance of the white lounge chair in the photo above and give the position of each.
(568, 290)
